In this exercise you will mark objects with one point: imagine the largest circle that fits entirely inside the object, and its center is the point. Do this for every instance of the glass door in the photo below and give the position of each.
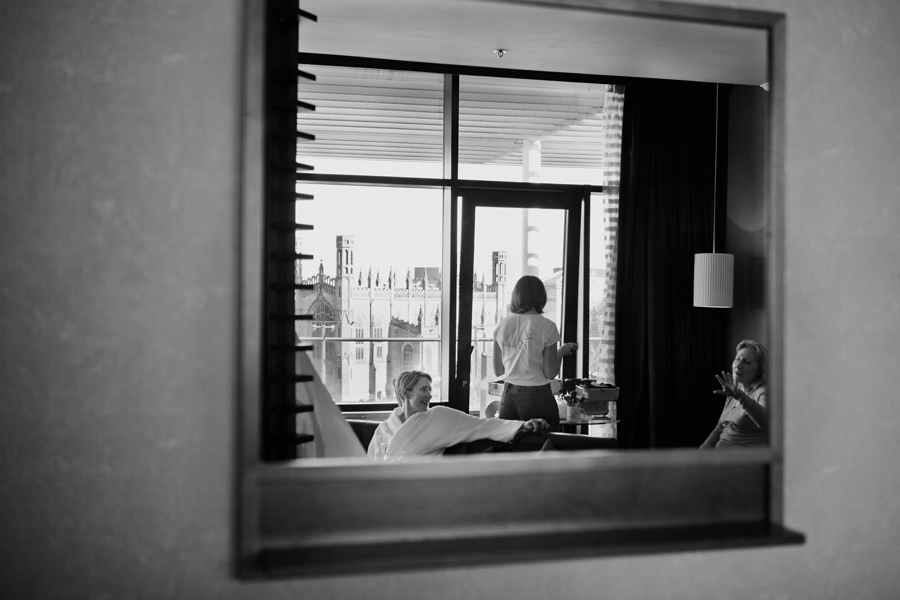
(505, 234)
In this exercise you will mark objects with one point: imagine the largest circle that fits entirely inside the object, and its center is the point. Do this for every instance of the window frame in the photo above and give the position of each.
(311, 518)
(572, 199)
(455, 393)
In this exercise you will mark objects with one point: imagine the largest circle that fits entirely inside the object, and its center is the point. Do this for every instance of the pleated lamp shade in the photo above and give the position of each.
(713, 280)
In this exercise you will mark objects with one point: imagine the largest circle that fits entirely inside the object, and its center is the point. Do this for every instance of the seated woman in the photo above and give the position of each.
(413, 429)
(743, 421)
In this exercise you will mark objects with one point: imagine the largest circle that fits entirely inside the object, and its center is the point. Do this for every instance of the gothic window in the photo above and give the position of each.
(360, 346)
(408, 356)
(322, 312)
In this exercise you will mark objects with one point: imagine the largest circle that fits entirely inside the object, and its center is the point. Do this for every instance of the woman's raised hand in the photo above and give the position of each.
(729, 387)
(568, 348)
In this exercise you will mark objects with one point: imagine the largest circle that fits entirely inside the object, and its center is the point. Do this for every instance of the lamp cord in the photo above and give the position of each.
(715, 167)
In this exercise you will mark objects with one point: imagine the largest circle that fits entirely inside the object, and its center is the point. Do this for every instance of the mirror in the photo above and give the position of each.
(295, 516)
(379, 132)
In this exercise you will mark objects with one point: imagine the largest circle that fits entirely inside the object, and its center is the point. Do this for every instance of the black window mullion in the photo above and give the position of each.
(464, 347)
(585, 281)
(571, 260)
(449, 252)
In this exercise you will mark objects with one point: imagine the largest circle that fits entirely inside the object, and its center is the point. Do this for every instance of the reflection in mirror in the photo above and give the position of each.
(377, 145)
(376, 299)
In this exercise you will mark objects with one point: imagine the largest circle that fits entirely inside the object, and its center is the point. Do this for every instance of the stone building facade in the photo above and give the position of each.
(367, 329)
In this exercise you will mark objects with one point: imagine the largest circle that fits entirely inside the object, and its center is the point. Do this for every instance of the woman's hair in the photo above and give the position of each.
(405, 382)
(762, 362)
(529, 293)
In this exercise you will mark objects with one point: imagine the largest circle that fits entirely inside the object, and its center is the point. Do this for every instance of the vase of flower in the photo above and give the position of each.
(574, 414)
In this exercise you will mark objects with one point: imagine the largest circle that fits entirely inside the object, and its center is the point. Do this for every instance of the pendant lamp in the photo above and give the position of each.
(714, 273)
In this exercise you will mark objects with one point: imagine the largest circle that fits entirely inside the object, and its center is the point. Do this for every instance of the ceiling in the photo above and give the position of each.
(364, 113)
(466, 32)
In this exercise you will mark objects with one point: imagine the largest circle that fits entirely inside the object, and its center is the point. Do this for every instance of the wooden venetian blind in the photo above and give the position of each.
(281, 401)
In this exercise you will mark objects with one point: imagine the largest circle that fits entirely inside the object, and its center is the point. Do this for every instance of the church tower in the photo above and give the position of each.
(498, 267)
(345, 277)
(498, 283)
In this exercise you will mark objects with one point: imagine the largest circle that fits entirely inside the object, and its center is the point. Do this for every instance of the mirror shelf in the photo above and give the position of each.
(456, 510)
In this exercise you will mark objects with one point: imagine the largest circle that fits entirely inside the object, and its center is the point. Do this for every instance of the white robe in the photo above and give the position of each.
(432, 431)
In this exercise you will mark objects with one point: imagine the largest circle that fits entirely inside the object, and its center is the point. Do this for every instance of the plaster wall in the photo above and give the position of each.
(118, 278)
(747, 228)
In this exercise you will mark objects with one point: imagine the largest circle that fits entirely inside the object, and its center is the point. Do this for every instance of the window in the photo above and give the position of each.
(510, 233)
(312, 519)
(601, 312)
(409, 357)
(378, 212)
(556, 131)
(373, 122)
(373, 246)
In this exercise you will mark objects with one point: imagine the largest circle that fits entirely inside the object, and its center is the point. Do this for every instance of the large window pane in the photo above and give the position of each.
(604, 247)
(372, 122)
(361, 368)
(376, 278)
(527, 130)
(602, 225)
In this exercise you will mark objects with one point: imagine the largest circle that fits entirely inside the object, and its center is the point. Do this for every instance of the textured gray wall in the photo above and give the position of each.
(747, 229)
(118, 271)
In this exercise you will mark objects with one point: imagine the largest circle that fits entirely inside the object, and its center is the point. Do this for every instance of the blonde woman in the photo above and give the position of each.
(744, 419)
(414, 429)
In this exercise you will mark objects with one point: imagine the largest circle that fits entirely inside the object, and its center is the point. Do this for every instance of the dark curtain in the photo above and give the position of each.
(667, 351)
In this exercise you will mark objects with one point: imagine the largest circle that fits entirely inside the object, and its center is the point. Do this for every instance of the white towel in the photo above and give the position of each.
(437, 428)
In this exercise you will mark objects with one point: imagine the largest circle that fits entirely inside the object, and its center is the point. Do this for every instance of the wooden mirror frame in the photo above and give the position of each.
(321, 517)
